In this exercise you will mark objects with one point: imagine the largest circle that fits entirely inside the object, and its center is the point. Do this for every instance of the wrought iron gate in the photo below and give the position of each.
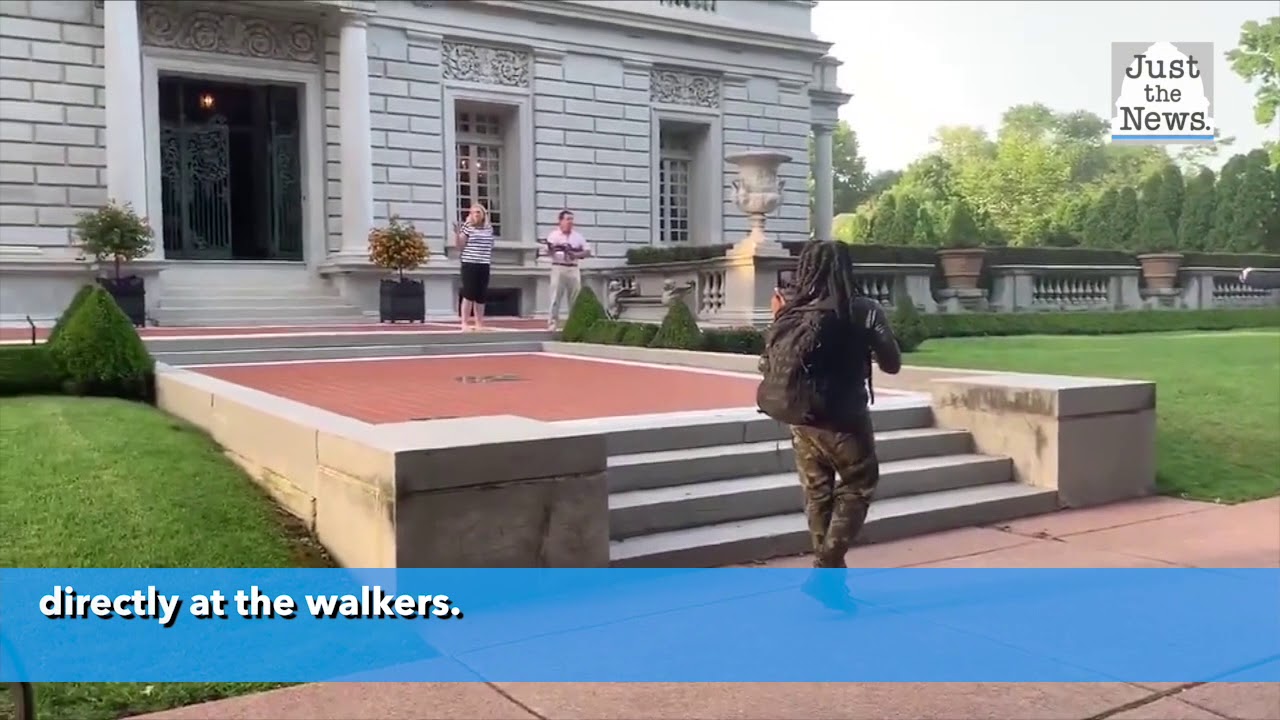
(231, 179)
(195, 170)
(286, 194)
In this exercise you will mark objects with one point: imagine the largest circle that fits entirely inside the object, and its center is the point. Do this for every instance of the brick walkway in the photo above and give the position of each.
(542, 387)
(1144, 533)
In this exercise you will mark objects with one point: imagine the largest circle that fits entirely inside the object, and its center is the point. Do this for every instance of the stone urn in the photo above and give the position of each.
(1160, 270)
(757, 191)
(962, 267)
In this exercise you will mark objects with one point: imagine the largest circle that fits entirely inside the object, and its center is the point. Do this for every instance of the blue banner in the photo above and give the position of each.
(615, 625)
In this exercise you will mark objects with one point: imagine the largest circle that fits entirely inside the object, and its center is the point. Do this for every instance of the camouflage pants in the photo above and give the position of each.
(839, 472)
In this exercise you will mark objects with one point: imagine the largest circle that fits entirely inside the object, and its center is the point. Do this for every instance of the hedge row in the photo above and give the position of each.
(1097, 323)
(92, 350)
(920, 255)
(913, 328)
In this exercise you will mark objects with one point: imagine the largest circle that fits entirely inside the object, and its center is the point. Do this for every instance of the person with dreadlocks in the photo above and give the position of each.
(816, 371)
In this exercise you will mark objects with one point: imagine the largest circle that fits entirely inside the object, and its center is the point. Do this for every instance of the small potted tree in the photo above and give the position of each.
(1157, 247)
(115, 233)
(961, 256)
(400, 247)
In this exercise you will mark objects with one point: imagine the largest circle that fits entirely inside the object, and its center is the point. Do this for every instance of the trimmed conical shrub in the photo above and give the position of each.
(101, 353)
(586, 311)
(70, 310)
(679, 330)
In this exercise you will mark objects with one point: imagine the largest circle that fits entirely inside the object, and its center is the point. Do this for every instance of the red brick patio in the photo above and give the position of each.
(542, 387)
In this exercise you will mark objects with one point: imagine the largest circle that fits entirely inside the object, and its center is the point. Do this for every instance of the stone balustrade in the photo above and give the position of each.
(715, 290)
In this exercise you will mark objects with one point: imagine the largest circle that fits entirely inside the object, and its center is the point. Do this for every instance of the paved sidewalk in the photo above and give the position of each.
(1154, 532)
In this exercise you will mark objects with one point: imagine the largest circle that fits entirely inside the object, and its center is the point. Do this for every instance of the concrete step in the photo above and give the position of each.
(787, 534)
(276, 299)
(282, 286)
(284, 314)
(668, 468)
(368, 335)
(183, 358)
(200, 321)
(642, 512)
(731, 427)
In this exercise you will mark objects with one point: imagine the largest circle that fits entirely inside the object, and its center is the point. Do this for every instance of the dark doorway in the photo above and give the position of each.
(230, 170)
(501, 302)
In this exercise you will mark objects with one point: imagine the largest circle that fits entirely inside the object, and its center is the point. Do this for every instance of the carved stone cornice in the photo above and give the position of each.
(671, 86)
(487, 65)
(185, 26)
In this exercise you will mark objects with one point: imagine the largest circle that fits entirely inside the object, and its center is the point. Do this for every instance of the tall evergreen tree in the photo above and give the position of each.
(924, 233)
(962, 230)
(1196, 221)
(903, 229)
(882, 220)
(1273, 227)
(1126, 218)
(1100, 220)
(1172, 193)
(1154, 232)
(1253, 204)
(1224, 199)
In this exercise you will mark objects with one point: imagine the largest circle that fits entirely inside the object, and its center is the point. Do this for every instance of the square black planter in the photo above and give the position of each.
(401, 300)
(131, 295)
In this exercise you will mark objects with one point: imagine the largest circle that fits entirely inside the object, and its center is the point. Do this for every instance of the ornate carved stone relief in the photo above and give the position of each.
(483, 64)
(190, 27)
(682, 87)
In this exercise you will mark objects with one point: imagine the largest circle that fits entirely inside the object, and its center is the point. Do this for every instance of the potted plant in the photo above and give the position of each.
(117, 234)
(400, 247)
(961, 256)
(1157, 249)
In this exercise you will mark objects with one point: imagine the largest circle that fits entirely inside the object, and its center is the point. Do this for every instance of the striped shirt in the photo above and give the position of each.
(479, 246)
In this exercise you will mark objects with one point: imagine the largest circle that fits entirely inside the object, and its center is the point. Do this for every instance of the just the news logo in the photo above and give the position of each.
(1162, 93)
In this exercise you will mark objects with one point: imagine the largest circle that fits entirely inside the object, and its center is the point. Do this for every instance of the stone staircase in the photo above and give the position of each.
(213, 296)
(722, 489)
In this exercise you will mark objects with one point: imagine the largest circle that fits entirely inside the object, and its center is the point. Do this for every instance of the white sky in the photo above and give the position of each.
(913, 66)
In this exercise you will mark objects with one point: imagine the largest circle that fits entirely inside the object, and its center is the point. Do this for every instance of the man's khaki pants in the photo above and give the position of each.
(565, 283)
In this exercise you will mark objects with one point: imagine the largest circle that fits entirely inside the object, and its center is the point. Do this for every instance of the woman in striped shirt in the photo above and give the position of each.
(474, 240)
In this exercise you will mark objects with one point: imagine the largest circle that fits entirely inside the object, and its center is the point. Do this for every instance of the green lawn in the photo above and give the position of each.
(106, 483)
(1217, 397)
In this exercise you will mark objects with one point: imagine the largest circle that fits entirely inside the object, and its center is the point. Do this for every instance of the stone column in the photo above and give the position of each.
(357, 153)
(823, 183)
(126, 144)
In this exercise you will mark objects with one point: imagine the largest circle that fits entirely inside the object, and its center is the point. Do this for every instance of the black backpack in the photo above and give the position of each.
(798, 364)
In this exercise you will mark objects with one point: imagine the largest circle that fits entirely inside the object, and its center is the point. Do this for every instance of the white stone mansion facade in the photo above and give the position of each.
(264, 139)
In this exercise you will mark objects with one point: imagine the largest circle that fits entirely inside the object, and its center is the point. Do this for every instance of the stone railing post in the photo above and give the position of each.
(1197, 288)
(1011, 288)
(1125, 291)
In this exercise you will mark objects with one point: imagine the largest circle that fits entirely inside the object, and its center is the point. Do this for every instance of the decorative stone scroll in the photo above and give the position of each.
(485, 65)
(187, 27)
(682, 87)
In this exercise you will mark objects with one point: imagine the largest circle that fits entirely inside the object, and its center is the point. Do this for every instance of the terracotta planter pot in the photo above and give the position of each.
(1160, 270)
(962, 266)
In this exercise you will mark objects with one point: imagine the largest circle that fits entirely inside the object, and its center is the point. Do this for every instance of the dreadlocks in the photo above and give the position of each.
(824, 272)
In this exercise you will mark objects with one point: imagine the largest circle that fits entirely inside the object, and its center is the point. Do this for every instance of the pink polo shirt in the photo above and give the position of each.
(558, 243)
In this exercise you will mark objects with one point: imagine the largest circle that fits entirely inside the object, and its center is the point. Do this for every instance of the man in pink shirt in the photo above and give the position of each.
(566, 247)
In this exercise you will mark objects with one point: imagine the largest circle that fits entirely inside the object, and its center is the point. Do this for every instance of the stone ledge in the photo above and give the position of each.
(1093, 440)
(416, 494)
(1050, 395)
